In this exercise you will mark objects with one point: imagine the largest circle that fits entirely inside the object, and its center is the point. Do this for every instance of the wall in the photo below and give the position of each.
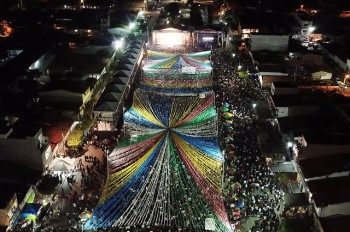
(330, 210)
(269, 42)
(285, 91)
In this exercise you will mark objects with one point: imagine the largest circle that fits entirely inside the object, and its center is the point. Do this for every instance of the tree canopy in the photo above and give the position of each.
(173, 9)
(196, 18)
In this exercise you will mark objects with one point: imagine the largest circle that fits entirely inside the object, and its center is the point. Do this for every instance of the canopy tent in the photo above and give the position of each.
(61, 164)
(131, 55)
(121, 77)
(111, 97)
(116, 88)
(31, 208)
(106, 106)
(128, 60)
(321, 75)
(136, 44)
(123, 66)
(168, 172)
(132, 49)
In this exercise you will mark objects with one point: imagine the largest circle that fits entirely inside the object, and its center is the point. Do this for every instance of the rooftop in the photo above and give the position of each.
(21, 63)
(302, 123)
(27, 176)
(24, 130)
(301, 99)
(79, 61)
(326, 165)
(71, 86)
(7, 191)
(336, 223)
(268, 22)
(319, 150)
(330, 190)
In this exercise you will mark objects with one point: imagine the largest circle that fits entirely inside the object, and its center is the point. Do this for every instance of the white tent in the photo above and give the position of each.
(321, 75)
(61, 164)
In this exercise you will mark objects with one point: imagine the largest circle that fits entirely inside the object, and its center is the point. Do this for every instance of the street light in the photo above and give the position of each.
(311, 29)
(132, 26)
(117, 44)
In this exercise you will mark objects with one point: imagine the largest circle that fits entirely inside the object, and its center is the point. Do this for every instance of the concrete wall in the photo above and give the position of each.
(269, 42)
(340, 209)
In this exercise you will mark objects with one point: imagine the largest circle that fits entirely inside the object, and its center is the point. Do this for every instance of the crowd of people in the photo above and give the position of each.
(252, 195)
(77, 192)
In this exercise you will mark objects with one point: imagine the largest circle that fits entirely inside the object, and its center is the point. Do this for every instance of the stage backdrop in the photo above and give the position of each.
(170, 37)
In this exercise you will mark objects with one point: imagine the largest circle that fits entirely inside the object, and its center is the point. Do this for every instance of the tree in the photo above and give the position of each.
(47, 185)
(173, 9)
(190, 3)
(196, 18)
(75, 136)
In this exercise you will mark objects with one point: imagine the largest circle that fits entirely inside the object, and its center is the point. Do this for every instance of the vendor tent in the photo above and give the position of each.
(128, 61)
(321, 75)
(106, 106)
(123, 66)
(116, 88)
(61, 164)
(121, 77)
(111, 97)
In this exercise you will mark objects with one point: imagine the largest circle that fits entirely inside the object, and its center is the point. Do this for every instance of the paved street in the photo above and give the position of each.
(74, 197)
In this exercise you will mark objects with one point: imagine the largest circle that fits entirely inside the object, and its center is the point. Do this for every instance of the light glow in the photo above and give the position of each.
(208, 38)
(131, 26)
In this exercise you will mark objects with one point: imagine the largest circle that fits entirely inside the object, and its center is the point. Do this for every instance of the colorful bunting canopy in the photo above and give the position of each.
(177, 84)
(158, 55)
(177, 62)
(168, 172)
(177, 74)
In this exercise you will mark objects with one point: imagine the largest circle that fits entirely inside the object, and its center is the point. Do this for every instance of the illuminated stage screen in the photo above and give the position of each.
(170, 37)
